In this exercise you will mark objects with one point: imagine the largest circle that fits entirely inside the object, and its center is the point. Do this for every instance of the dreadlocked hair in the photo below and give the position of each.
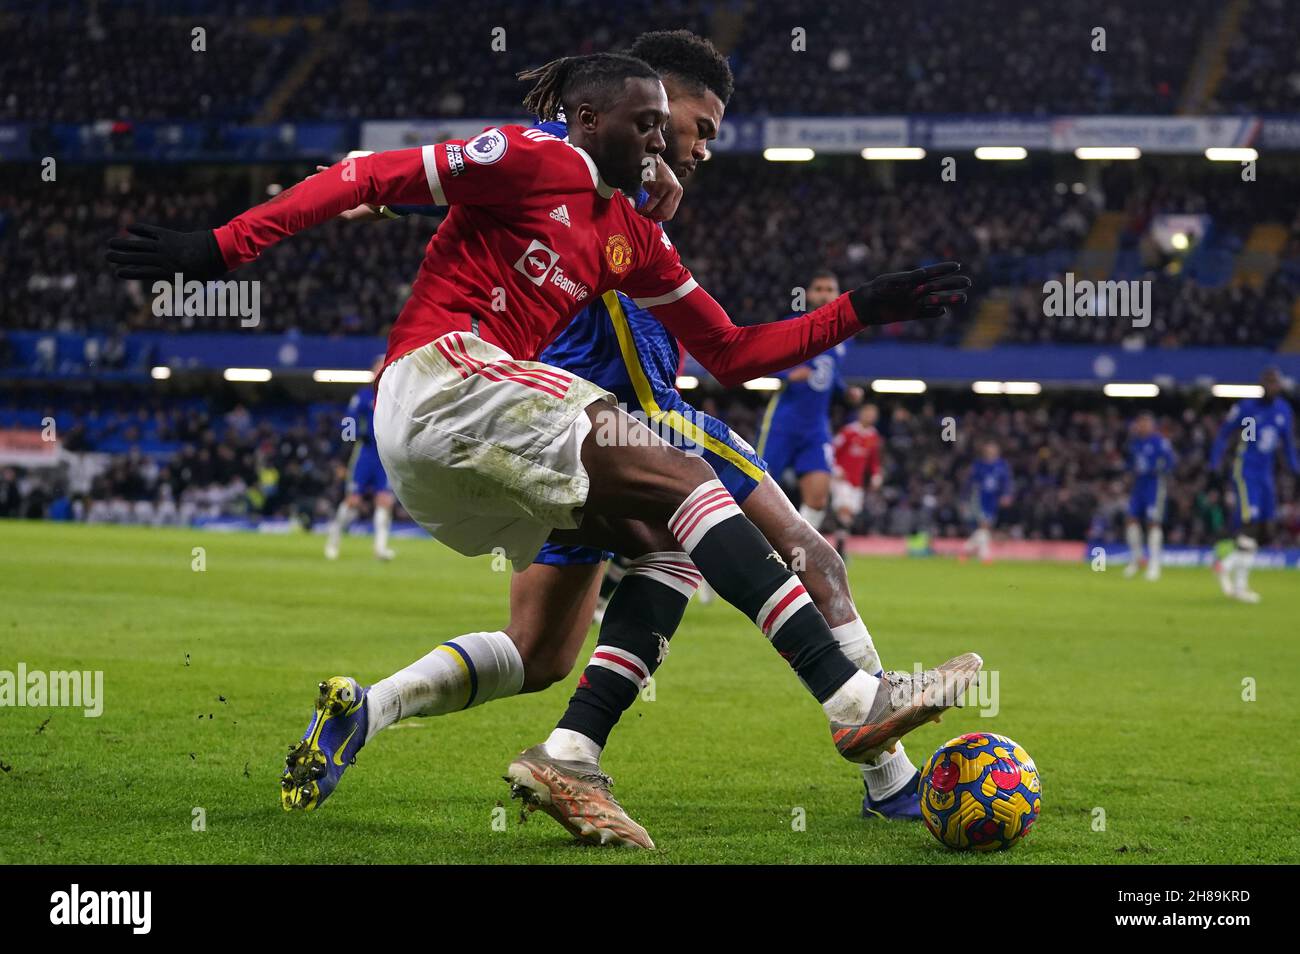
(571, 80)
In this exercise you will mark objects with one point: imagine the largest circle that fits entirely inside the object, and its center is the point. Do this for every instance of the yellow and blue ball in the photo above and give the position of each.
(980, 792)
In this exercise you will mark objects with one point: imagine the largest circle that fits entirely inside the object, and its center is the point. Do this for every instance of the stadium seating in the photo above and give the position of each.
(330, 60)
(179, 462)
(750, 231)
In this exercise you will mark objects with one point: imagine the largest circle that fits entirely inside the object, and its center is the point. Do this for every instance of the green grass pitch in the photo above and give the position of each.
(1129, 695)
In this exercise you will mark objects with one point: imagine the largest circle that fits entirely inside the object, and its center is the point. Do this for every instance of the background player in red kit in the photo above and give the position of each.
(490, 450)
(856, 450)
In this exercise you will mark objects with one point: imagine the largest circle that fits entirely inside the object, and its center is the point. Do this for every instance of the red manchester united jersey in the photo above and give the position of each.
(534, 235)
(857, 452)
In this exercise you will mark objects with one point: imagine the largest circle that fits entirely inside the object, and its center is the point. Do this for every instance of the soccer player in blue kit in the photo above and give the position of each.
(1261, 426)
(365, 476)
(625, 350)
(1151, 459)
(796, 431)
(990, 490)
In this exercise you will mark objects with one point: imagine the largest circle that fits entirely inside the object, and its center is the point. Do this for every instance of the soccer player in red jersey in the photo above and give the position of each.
(491, 450)
(856, 450)
(550, 602)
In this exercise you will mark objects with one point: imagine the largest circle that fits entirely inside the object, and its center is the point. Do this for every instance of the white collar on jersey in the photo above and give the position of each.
(602, 187)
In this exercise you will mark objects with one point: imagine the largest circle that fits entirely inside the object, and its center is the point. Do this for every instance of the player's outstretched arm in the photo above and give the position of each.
(384, 178)
(735, 354)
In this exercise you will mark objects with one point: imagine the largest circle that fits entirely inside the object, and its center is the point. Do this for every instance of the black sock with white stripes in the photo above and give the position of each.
(643, 613)
(741, 566)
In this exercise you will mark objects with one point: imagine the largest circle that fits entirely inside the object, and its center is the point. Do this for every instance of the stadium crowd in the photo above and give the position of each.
(195, 465)
(1262, 73)
(1067, 458)
(1068, 465)
(1045, 60)
(91, 62)
(85, 61)
(750, 231)
(1184, 314)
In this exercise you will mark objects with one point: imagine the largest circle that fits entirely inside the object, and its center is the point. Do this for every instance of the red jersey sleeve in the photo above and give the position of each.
(499, 165)
(383, 178)
(732, 354)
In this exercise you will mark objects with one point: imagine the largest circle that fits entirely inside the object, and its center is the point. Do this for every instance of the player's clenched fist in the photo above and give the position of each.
(154, 254)
(903, 296)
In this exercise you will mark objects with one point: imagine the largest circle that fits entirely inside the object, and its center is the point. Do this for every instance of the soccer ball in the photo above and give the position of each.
(980, 791)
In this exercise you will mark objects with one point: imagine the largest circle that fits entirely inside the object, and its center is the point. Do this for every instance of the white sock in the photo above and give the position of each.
(573, 746)
(1244, 560)
(855, 642)
(383, 521)
(815, 517)
(985, 540)
(851, 703)
(888, 773)
(463, 672)
(1134, 534)
(342, 517)
(1155, 540)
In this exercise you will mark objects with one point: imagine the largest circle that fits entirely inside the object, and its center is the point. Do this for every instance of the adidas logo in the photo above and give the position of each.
(561, 215)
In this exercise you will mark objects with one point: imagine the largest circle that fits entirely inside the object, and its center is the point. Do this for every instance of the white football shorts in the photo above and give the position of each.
(482, 450)
(846, 496)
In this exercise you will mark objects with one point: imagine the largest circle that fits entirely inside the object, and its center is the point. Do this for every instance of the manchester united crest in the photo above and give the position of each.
(618, 253)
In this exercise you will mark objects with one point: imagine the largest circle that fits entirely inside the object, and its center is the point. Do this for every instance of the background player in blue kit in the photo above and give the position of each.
(796, 431)
(365, 476)
(989, 486)
(1151, 460)
(1259, 427)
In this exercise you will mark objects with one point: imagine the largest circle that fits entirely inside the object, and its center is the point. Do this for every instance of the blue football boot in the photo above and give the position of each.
(904, 804)
(330, 744)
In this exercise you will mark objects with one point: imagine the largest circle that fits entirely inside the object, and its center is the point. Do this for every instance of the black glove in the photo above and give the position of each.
(904, 296)
(158, 254)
